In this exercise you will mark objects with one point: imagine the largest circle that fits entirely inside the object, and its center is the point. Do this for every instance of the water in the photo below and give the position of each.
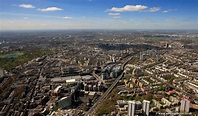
(11, 55)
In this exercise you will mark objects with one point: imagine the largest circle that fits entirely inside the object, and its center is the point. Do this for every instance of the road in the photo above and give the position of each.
(94, 107)
(41, 71)
(99, 78)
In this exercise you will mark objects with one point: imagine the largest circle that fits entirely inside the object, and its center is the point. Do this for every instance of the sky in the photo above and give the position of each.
(98, 14)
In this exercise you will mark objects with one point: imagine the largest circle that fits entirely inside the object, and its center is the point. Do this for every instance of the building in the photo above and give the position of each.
(157, 57)
(131, 108)
(122, 105)
(174, 100)
(64, 102)
(185, 105)
(141, 56)
(157, 104)
(146, 107)
(167, 103)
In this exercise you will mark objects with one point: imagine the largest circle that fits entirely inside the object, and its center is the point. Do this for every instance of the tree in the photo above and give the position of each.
(137, 97)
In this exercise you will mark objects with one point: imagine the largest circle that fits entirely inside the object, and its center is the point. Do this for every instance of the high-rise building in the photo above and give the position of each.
(141, 56)
(146, 107)
(185, 105)
(131, 108)
(157, 57)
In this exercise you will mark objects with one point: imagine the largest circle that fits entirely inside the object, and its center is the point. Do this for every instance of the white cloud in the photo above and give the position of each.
(114, 14)
(26, 6)
(128, 8)
(67, 17)
(25, 18)
(50, 9)
(169, 10)
(154, 9)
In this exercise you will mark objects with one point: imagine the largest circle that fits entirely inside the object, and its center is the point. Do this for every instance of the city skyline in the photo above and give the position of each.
(98, 14)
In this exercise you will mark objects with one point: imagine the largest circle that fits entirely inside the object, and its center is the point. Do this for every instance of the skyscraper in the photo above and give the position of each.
(146, 107)
(185, 105)
(131, 108)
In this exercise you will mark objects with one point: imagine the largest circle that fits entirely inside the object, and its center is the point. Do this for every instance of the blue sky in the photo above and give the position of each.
(98, 14)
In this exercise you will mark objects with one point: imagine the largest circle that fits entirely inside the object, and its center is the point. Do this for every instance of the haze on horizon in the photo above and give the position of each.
(98, 14)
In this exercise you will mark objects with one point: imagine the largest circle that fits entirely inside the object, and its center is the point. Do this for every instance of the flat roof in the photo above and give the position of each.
(57, 79)
(71, 80)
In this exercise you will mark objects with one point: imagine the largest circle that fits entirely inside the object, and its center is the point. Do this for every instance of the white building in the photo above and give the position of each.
(131, 108)
(146, 107)
(185, 105)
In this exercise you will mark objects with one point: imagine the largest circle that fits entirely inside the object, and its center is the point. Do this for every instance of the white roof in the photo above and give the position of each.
(92, 93)
(57, 88)
(71, 80)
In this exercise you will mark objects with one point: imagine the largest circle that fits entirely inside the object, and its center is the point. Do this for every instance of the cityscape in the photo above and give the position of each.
(81, 73)
(98, 58)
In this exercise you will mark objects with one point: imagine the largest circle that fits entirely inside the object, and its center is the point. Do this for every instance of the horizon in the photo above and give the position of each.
(135, 30)
(94, 14)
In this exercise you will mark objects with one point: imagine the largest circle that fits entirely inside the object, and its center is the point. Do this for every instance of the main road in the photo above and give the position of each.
(94, 107)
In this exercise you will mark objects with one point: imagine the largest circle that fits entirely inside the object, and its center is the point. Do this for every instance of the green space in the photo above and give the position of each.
(11, 54)
(128, 76)
(133, 60)
(127, 98)
(137, 97)
(186, 41)
(23, 57)
(108, 105)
